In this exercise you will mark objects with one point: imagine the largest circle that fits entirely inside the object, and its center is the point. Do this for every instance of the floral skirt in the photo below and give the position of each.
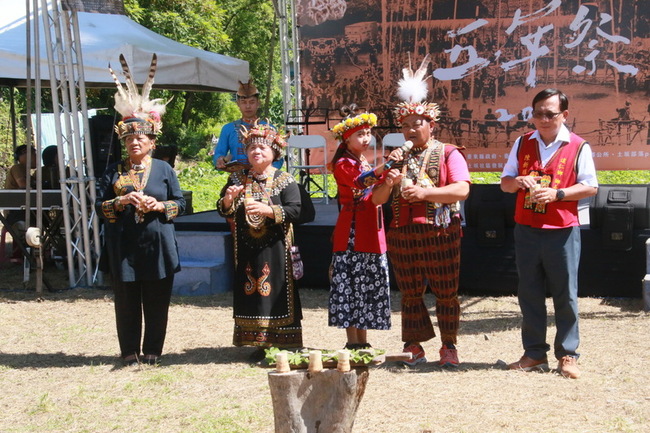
(359, 290)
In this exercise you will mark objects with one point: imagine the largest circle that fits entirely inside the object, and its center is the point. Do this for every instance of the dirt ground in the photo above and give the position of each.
(59, 370)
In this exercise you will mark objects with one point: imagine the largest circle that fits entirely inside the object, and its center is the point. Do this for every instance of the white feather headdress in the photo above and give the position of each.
(412, 90)
(140, 115)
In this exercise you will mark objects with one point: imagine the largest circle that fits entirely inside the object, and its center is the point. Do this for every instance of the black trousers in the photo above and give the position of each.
(132, 299)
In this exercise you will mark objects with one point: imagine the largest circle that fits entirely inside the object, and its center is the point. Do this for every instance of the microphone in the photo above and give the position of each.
(405, 148)
(372, 176)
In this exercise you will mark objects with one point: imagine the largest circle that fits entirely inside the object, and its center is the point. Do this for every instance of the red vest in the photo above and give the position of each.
(424, 212)
(560, 172)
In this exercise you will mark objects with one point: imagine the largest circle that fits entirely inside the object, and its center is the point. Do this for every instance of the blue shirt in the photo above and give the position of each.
(229, 143)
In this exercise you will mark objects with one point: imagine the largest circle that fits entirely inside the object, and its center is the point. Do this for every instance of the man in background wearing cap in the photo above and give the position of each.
(229, 148)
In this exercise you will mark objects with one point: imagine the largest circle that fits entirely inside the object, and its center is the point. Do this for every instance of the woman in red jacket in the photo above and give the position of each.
(359, 285)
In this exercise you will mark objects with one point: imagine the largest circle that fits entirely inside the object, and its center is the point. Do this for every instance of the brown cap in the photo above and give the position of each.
(246, 90)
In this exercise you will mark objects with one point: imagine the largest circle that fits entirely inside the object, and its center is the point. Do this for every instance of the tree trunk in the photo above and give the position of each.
(323, 402)
(187, 108)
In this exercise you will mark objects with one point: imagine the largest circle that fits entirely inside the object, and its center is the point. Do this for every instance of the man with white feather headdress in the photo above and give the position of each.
(425, 232)
(137, 199)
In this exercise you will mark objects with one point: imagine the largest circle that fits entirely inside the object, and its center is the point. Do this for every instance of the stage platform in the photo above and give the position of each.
(314, 239)
(487, 265)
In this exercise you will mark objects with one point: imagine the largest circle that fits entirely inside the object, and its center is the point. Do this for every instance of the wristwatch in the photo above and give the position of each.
(560, 194)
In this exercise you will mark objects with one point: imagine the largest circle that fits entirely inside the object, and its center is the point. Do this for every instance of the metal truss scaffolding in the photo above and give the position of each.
(63, 47)
(290, 56)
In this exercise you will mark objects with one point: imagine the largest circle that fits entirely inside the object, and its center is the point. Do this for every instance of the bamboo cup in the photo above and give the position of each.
(315, 361)
(344, 361)
(282, 362)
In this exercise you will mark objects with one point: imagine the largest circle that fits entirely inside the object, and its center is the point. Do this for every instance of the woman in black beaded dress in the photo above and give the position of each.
(264, 203)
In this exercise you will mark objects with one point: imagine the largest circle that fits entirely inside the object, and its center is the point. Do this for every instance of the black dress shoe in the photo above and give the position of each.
(130, 361)
(357, 346)
(258, 355)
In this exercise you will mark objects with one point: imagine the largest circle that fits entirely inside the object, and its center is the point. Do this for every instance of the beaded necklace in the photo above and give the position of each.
(256, 222)
(416, 166)
(139, 182)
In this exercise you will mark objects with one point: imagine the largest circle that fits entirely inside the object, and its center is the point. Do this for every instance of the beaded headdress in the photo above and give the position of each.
(261, 133)
(412, 90)
(140, 115)
(352, 124)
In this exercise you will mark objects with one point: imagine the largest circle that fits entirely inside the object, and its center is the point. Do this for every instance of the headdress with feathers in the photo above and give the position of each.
(263, 133)
(412, 90)
(140, 115)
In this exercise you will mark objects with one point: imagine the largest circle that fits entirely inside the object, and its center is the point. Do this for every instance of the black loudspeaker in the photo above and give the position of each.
(491, 211)
(618, 210)
(189, 208)
(107, 147)
(166, 153)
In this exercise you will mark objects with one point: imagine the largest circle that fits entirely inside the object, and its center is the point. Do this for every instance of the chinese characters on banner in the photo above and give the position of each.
(489, 59)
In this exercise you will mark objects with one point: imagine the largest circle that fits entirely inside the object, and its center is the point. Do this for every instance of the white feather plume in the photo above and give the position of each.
(413, 87)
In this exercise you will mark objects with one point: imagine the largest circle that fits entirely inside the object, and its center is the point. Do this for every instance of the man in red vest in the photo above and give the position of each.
(550, 169)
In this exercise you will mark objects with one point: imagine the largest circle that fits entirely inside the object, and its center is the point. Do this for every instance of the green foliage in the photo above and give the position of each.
(197, 24)
(193, 142)
(625, 177)
(205, 183)
(485, 177)
(301, 357)
(6, 135)
(245, 29)
(253, 27)
(276, 110)
(628, 177)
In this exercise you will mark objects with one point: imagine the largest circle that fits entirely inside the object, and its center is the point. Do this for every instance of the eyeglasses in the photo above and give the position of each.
(547, 115)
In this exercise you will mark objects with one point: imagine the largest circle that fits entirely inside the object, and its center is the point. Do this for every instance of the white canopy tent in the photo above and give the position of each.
(63, 37)
(103, 38)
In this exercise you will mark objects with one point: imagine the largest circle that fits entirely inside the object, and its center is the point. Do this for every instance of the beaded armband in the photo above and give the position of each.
(228, 212)
(171, 209)
(110, 208)
(278, 213)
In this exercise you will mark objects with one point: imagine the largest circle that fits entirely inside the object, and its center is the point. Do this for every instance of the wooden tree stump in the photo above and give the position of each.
(322, 402)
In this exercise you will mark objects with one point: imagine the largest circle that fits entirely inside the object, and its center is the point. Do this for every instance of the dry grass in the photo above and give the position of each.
(59, 373)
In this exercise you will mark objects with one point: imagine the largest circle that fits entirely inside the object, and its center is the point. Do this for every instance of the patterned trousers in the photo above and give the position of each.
(423, 255)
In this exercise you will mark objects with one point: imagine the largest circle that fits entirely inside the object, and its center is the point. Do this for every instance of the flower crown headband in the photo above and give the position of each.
(347, 127)
(264, 134)
(412, 90)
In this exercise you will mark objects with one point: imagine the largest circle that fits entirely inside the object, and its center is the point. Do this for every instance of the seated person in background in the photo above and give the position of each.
(50, 169)
(230, 146)
(17, 174)
(17, 179)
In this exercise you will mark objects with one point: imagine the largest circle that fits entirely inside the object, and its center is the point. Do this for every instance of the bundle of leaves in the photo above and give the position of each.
(300, 358)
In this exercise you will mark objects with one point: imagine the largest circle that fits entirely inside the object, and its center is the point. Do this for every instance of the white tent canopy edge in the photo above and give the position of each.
(103, 38)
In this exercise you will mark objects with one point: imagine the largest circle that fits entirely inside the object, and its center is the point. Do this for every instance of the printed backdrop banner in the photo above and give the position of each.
(489, 59)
